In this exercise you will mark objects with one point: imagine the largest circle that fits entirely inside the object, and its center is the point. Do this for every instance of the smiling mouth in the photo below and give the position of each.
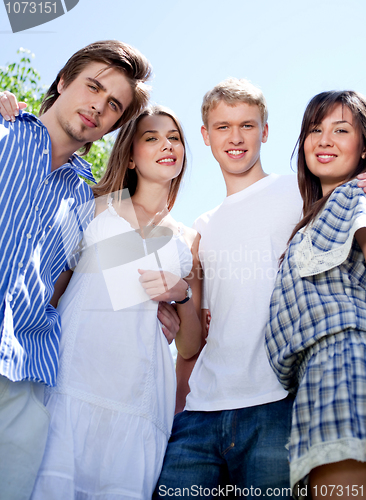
(167, 160)
(236, 152)
(326, 157)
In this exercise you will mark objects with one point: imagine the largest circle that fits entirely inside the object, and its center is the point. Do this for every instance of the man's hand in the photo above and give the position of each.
(9, 106)
(169, 318)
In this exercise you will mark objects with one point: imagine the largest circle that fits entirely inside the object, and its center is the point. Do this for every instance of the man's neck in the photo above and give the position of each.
(237, 182)
(62, 146)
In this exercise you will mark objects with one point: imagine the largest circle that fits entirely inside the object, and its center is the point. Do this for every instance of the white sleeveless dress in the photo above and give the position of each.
(113, 406)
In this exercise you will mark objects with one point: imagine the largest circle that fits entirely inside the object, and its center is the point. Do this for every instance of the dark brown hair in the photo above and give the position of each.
(317, 109)
(114, 54)
(118, 176)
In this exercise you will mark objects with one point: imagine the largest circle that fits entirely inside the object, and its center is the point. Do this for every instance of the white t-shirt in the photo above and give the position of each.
(241, 242)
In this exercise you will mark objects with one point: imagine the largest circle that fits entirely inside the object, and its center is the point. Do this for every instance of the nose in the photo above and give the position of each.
(325, 139)
(236, 136)
(98, 106)
(167, 145)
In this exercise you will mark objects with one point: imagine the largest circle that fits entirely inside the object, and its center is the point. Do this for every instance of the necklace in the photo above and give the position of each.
(158, 217)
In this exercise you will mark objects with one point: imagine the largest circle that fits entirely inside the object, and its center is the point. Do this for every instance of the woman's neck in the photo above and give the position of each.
(150, 204)
(152, 198)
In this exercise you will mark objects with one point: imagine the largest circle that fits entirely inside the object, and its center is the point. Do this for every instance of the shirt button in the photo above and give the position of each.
(46, 182)
(45, 151)
(20, 264)
(29, 236)
(36, 208)
(10, 297)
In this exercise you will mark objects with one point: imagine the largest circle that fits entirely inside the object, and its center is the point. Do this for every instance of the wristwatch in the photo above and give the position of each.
(188, 296)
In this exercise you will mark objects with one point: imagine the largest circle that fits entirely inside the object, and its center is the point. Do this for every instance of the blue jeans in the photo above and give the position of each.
(229, 453)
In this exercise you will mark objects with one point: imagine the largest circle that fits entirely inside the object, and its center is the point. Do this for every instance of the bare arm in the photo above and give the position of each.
(188, 340)
(60, 287)
(361, 239)
(164, 286)
(184, 367)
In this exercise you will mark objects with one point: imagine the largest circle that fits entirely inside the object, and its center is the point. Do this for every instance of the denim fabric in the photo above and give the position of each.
(243, 449)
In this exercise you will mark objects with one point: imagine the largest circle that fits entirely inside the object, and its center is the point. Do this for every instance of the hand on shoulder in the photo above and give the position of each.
(9, 106)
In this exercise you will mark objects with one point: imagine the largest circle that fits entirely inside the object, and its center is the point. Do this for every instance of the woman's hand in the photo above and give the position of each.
(9, 106)
(163, 286)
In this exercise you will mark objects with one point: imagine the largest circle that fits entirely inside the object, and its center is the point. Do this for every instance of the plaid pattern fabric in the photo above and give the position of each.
(329, 412)
(321, 286)
(316, 336)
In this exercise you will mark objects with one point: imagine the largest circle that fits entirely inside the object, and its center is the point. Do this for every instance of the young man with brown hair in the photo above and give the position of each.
(44, 208)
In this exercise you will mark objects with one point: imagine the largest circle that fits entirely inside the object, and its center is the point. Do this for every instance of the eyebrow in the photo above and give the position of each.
(157, 131)
(245, 122)
(342, 121)
(102, 87)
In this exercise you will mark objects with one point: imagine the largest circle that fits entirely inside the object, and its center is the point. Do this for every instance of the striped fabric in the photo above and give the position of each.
(43, 214)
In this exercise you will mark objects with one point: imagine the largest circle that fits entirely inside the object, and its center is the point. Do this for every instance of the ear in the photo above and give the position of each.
(131, 164)
(363, 154)
(205, 135)
(265, 133)
(60, 85)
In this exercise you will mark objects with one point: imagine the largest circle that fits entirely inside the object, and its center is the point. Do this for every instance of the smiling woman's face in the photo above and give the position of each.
(157, 151)
(333, 148)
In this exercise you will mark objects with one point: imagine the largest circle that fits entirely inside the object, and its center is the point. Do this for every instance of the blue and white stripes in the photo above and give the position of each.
(42, 216)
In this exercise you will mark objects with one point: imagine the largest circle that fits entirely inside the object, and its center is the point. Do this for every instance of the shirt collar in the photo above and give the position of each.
(81, 166)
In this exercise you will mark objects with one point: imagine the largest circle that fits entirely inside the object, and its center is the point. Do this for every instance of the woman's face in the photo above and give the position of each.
(157, 150)
(333, 148)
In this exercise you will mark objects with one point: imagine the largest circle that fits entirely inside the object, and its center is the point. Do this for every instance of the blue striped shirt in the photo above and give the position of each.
(43, 214)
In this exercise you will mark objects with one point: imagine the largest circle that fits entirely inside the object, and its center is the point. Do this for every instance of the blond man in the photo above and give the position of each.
(232, 436)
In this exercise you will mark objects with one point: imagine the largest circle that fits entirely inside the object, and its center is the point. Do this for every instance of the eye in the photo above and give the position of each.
(148, 139)
(314, 130)
(93, 88)
(247, 126)
(174, 138)
(342, 131)
(222, 127)
(113, 106)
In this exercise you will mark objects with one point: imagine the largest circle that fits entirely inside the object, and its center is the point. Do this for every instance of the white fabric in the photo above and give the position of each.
(310, 262)
(113, 406)
(241, 242)
(23, 433)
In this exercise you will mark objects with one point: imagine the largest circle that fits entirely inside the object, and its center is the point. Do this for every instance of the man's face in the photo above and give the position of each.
(235, 134)
(92, 103)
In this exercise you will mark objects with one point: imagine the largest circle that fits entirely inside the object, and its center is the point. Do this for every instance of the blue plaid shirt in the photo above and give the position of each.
(43, 214)
(320, 289)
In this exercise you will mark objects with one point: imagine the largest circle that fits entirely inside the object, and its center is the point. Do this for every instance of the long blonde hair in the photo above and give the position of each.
(118, 176)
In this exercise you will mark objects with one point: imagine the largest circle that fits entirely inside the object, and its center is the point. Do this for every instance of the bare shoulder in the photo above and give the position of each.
(101, 204)
(191, 237)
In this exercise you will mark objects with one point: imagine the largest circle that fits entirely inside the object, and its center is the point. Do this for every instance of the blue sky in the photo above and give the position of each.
(291, 49)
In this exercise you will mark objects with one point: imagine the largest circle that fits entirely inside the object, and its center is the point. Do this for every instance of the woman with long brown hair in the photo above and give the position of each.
(316, 335)
(113, 406)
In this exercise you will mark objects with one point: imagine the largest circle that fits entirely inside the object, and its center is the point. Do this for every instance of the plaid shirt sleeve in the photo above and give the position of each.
(320, 288)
